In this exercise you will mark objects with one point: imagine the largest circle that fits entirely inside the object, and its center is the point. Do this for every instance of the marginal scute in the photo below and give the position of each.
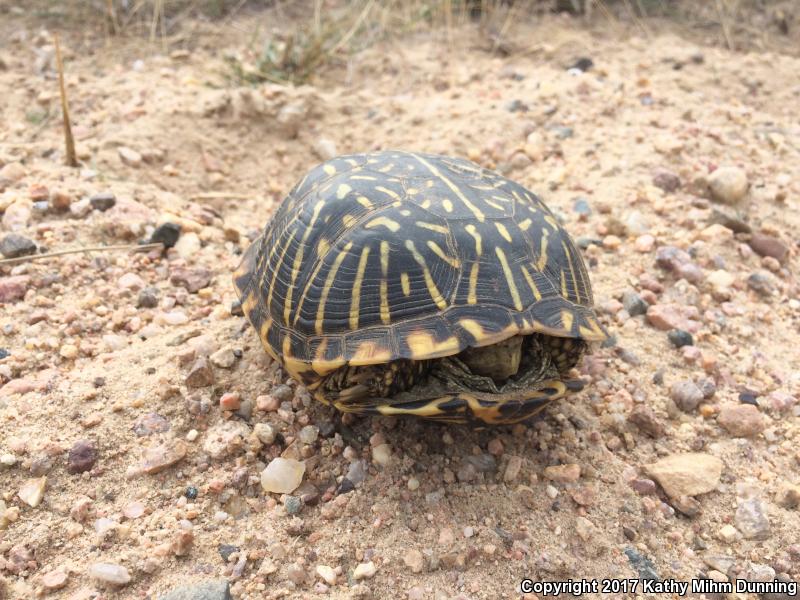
(423, 345)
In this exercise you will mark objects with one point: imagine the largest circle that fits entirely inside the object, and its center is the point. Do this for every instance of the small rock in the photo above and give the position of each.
(634, 304)
(728, 185)
(200, 375)
(762, 282)
(751, 519)
(82, 457)
(18, 215)
(32, 491)
(645, 419)
(54, 580)
(13, 288)
(167, 234)
(357, 472)
(230, 401)
(364, 571)
(686, 474)
(414, 560)
(292, 504)
(568, 473)
(641, 564)
(60, 201)
(728, 533)
(325, 148)
(788, 496)
(672, 316)
(581, 206)
(327, 574)
(188, 246)
(149, 424)
(666, 180)
(680, 338)
(767, 245)
(159, 458)
(282, 475)
(686, 505)
(741, 420)
(69, 351)
(645, 487)
(730, 219)
(483, 463)
(686, 395)
(265, 433)
(148, 298)
(103, 201)
(13, 171)
(205, 590)
(223, 358)
(129, 156)
(382, 455)
(513, 468)
(110, 573)
(14, 245)
(191, 279)
(309, 434)
(130, 281)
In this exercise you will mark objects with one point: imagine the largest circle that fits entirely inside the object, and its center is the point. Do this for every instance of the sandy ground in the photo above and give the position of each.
(115, 366)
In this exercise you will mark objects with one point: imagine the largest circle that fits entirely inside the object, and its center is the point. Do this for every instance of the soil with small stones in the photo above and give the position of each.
(137, 413)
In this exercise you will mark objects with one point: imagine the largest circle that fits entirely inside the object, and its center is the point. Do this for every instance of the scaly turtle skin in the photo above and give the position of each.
(401, 283)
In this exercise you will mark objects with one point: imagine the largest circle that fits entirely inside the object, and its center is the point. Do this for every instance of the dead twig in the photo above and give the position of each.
(32, 257)
(72, 160)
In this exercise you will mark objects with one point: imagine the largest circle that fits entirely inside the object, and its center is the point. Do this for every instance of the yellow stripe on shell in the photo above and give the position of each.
(512, 286)
(390, 224)
(503, 231)
(454, 188)
(385, 315)
(575, 285)
(356, 299)
(405, 283)
(432, 227)
(327, 287)
(388, 192)
(474, 233)
(448, 206)
(563, 283)
(277, 269)
(298, 260)
(424, 346)
(453, 262)
(434, 292)
(370, 353)
(472, 297)
(531, 284)
(567, 319)
(343, 190)
(364, 201)
(329, 169)
(525, 224)
(540, 264)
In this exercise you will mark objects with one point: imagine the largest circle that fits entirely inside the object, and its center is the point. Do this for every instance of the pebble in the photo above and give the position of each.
(134, 510)
(414, 560)
(762, 282)
(13, 245)
(130, 281)
(788, 496)
(200, 375)
(265, 433)
(728, 184)
(12, 171)
(32, 491)
(644, 243)
(282, 475)
(110, 573)
(82, 457)
(188, 246)
(159, 458)
(666, 180)
(741, 420)
(357, 472)
(641, 564)
(673, 316)
(751, 519)
(167, 234)
(129, 156)
(18, 215)
(205, 590)
(149, 424)
(513, 468)
(192, 280)
(309, 434)
(730, 219)
(567, 473)
(230, 401)
(68, 351)
(103, 201)
(292, 505)
(634, 304)
(767, 245)
(364, 571)
(325, 148)
(680, 338)
(686, 395)
(54, 580)
(147, 298)
(728, 533)
(686, 474)
(327, 574)
(13, 288)
(581, 206)
(382, 455)
(645, 419)
(223, 358)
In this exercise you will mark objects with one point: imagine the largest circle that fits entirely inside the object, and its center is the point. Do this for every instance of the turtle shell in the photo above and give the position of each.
(396, 255)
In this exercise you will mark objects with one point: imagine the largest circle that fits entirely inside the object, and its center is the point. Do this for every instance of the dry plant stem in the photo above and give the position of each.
(69, 141)
(723, 20)
(32, 257)
(112, 17)
(346, 38)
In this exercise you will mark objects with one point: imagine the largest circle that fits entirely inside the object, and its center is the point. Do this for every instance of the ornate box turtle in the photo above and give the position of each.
(400, 283)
